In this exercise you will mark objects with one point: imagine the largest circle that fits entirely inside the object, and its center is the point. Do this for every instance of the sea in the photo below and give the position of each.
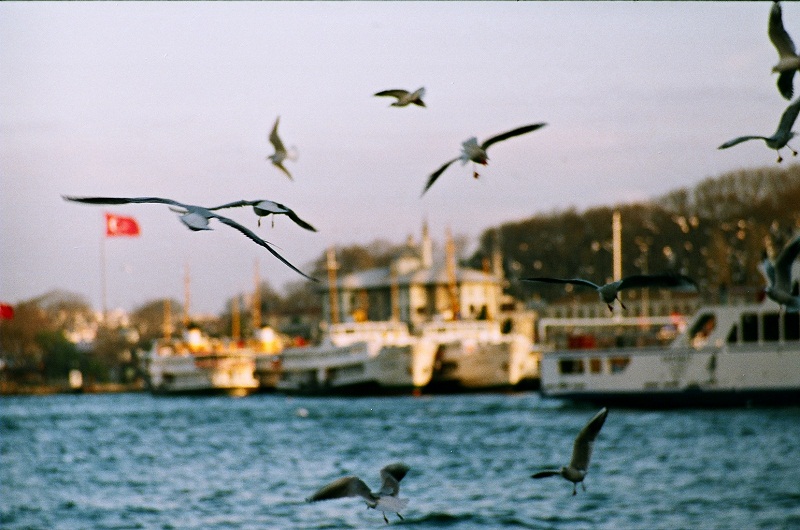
(128, 461)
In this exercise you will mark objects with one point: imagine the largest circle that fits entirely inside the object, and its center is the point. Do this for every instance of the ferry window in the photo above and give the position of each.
(771, 327)
(750, 327)
(791, 326)
(570, 366)
(733, 335)
(595, 365)
(702, 329)
(618, 364)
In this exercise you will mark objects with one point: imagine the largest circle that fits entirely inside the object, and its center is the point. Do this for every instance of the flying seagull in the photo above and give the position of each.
(779, 276)
(581, 454)
(788, 60)
(266, 207)
(194, 217)
(404, 97)
(470, 150)
(281, 153)
(610, 291)
(385, 499)
(781, 137)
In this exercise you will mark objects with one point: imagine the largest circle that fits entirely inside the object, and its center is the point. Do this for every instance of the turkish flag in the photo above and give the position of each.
(117, 225)
(6, 311)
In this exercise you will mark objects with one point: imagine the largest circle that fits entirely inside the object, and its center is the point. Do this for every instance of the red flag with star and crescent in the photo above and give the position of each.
(117, 225)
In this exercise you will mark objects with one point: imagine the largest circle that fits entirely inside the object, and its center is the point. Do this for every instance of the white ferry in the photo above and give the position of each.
(726, 356)
(198, 365)
(359, 357)
(475, 355)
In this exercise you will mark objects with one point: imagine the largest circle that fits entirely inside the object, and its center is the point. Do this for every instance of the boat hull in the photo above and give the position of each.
(748, 355)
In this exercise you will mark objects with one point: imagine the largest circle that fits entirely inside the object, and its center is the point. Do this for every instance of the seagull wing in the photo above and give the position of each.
(783, 265)
(435, 175)
(788, 118)
(395, 93)
(672, 281)
(274, 139)
(279, 165)
(546, 473)
(235, 204)
(786, 83)
(735, 141)
(249, 233)
(294, 217)
(573, 281)
(343, 487)
(777, 33)
(510, 134)
(391, 476)
(582, 448)
(124, 200)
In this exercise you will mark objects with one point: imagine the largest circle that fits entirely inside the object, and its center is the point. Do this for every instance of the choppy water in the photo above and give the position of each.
(136, 461)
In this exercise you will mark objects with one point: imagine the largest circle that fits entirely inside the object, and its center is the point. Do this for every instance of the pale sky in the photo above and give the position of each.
(176, 100)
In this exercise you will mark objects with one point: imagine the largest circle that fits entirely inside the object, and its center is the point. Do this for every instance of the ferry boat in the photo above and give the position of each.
(474, 355)
(198, 365)
(725, 356)
(359, 358)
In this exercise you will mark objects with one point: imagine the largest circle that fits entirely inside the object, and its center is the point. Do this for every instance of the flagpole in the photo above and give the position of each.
(103, 267)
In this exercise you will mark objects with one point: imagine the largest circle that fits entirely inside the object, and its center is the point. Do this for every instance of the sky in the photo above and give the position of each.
(176, 100)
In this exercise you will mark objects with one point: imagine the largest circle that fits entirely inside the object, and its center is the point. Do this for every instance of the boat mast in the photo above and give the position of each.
(616, 234)
(452, 287)
(187, 296)
(332, 290)
(256, 298)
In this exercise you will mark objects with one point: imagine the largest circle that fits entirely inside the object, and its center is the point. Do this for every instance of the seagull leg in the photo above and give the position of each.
(583, 485)
(401, 517)
(385, 518)
(789, 147)
(475, 173)
(780, 158)
(620, 303)
(259, 221)
(574, 488)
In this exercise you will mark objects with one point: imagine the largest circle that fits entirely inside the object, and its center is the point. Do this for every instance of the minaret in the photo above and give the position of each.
(426, 250)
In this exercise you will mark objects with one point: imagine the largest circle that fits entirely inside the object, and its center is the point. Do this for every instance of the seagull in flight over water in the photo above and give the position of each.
(471, 150)
(404, 97)
(281, 153)
(788, 60)
(194, 217)
(581, 454)
(265, 207)
(610, 291)
(385, 499)
(782, 135)
(779, 276)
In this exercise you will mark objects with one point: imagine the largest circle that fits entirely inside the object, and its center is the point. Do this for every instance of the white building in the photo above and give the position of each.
(414, 290)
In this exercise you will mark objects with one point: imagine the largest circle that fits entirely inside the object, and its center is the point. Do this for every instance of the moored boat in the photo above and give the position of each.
(198, 365)
(359, 358)
(475, 355)
(725, 356)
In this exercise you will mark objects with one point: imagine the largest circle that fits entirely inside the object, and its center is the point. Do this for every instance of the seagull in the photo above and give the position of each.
(779, 276)
(581, 454)
(781, 137)
(470, 150)
(280, 151)
(610, 291)
(404, 97)
(385, 499)
(266, 207)
(788, 60)
(194, 217)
